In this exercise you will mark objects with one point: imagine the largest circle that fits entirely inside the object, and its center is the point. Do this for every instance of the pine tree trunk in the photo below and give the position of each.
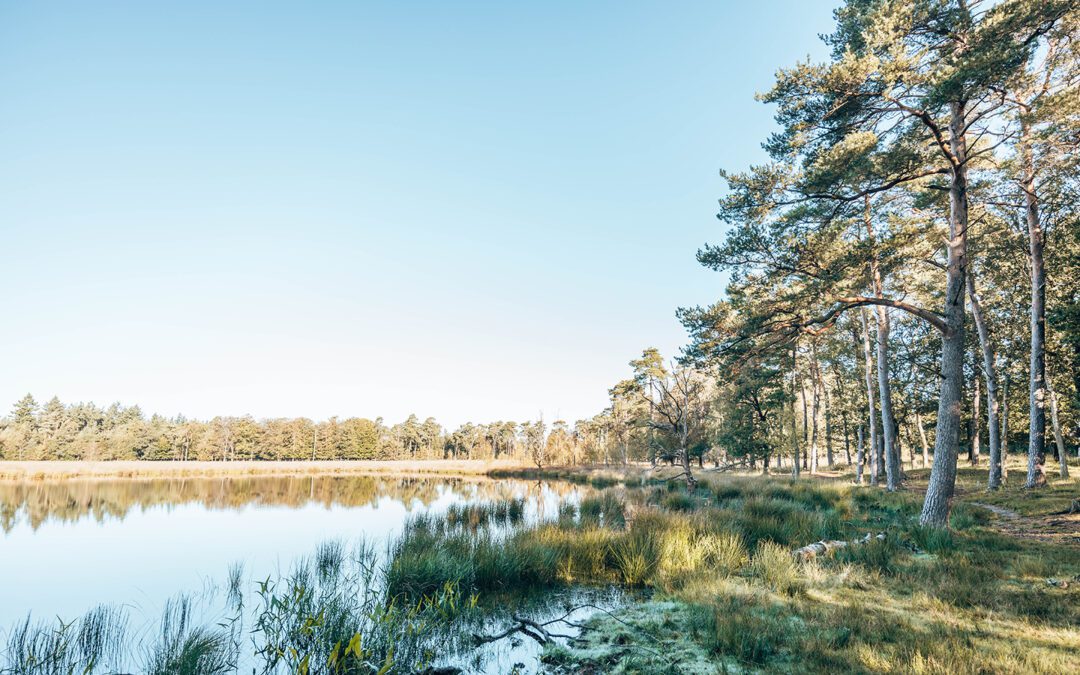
(815, 382)
(1004, 419)
(922, 440)
(891, 458)
(869, 364)
(993, 424)
(1036, 473)
(828, 425)
(859, 456)
(906, 433)
(890, 451)
(976, 423)
(939, 492)
(847, 439)
(879, 452)
(841, 396)
(1063, 461)
(794, 417)
(805, 421)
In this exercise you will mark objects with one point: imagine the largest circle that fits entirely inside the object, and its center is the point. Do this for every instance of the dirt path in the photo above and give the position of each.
(1052, 529)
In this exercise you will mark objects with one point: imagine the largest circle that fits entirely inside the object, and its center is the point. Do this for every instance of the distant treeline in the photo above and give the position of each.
(85, 431)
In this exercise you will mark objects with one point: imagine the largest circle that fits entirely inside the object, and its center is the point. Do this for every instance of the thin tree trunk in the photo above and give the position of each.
(1036, 473)
(993, 424)
(794, 417)
(847, 438)
(891, 457)
(859, 456)
(879, 451)
(828, 424)
(841, 396)
(805, 423)
(922, 440)
(1063, 461)
(691, 482)
(869, 364)
(1004, 419)
(889, 450)
(815, 382)
(906, 433)
(976, 422)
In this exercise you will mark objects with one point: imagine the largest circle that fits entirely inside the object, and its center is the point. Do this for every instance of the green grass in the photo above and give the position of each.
(1055, 497)
(963, 600)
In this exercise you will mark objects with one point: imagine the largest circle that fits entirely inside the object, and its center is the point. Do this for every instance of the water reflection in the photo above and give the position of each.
(35, 503)
(135, 544)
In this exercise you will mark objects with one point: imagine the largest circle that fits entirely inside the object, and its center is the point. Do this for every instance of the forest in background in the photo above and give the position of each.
(903, 286)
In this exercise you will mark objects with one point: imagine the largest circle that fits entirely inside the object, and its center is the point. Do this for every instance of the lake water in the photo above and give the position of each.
(67, 546)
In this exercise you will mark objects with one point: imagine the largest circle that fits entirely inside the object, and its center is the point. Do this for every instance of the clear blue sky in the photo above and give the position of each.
(471, 210)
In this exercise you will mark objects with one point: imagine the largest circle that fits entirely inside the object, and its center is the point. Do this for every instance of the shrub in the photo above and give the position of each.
(725, 552)
(931, 539)
(604, 508)
(775, 566)
(680, 501)
(635, 558)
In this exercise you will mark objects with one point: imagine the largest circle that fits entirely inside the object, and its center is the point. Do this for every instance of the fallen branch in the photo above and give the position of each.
(535, 630)
(1074, 507)
(827, 547)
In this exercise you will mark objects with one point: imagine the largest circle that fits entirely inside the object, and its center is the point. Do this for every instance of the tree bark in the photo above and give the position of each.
(859, 455)
(922, 440)
(794, 417)
(1004, 419)
(993, 424)
(847, 439)
(939, 492)
(976, 421)
(905, 432)
(805, 420)
(828, 424)
(891, 457)
(1063, 461)
(815, 382)
(1036, 473)
(879, 452)
(841, 392)
(869, 365)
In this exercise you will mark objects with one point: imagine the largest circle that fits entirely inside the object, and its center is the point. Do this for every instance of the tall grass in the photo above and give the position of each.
(91, 643)
(330, 613)
(773, 564)
(186, 648)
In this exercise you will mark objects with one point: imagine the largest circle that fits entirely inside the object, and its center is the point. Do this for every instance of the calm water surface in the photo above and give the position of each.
(67, 546)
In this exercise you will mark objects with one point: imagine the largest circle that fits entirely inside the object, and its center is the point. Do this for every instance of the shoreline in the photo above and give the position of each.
(63, 469)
